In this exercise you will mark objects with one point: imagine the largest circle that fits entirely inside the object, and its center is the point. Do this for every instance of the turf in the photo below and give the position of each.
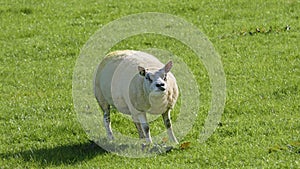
(258, 42)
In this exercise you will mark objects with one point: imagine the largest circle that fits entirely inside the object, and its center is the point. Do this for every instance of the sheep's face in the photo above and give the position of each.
(155, 80)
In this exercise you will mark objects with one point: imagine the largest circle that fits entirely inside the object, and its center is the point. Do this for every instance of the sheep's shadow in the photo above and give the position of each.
(65, 154)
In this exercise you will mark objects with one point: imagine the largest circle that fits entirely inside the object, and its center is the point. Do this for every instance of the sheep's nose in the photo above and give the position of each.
(161, 86)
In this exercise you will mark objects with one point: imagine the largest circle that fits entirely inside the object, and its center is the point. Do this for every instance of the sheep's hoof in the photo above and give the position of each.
(111, 137)
(92, 145)
(156, 148)
(145, 146)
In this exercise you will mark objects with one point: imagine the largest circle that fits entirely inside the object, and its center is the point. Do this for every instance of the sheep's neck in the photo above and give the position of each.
(158, 103)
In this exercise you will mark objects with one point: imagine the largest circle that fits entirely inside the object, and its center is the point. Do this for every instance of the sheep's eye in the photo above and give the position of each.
(165, 77)
(148, 78)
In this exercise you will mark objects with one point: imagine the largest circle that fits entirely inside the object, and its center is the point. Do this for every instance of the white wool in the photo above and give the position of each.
(158, 103)
(119, 84)
(116, 76)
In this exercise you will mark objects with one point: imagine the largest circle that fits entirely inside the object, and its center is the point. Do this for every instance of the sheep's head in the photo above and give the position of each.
(155, 80)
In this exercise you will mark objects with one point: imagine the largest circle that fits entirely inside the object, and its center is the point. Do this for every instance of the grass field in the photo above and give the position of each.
(258, 42)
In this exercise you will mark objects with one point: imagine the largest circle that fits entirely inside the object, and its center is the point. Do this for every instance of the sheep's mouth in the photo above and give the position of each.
(161, 88)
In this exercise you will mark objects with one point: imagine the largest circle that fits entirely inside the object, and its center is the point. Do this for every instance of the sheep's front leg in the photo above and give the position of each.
(138, 126)
(140, 130)
(145, 127)
(167, 120)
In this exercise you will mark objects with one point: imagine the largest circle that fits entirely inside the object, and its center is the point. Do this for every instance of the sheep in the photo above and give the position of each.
(136, 83)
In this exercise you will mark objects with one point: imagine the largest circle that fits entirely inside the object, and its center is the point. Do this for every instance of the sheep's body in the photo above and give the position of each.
(119, 83)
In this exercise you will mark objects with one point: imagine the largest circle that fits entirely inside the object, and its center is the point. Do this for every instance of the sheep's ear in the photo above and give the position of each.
(142, 70)
(168, 66)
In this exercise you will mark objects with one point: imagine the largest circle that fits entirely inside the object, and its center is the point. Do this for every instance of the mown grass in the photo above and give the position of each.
(260, 127)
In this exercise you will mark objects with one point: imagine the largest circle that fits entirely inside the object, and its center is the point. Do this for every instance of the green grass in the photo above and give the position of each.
(260, 127)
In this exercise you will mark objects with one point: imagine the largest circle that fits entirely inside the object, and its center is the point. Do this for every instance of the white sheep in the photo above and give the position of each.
(134, 83)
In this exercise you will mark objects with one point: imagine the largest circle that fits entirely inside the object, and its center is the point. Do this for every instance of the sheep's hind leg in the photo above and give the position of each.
(106, 111)
(167, 121)
(106, 121)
